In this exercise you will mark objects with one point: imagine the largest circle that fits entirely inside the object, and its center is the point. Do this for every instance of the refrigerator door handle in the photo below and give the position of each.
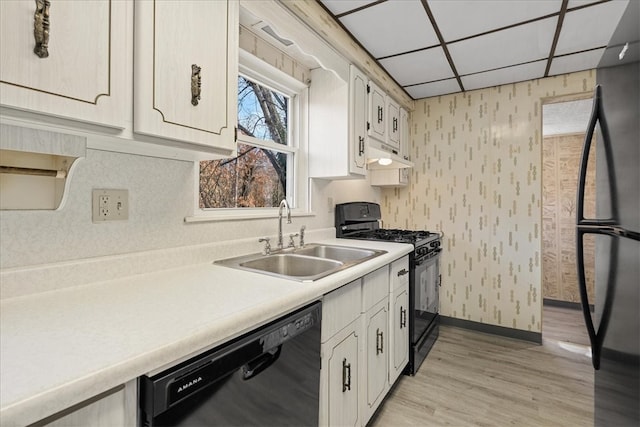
(584, 299)
(597, 115)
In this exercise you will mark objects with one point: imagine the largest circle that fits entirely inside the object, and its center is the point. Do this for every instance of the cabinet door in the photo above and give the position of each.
(337, 125)
(376, 357)
(104, 411)
(186, 71)
(399, 333)
(405, 141)
(393, 125)
(376, 127)
(80, 69)
(358, 120)
(340, 308)
(340, 364)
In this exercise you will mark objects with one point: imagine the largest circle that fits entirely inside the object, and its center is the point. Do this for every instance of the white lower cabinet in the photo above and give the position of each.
(400, 335)
(116, 407)
(365, 344)
(340, 366)
(398, 320)
(341, 338)
(376, 351)
(375, 321)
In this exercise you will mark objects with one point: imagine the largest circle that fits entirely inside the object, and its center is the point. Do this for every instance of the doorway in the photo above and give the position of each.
(564, 127)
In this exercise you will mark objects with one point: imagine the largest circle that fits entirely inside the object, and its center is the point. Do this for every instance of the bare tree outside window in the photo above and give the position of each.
(257, 176)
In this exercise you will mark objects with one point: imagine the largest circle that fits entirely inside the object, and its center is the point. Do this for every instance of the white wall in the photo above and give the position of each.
(161, 194)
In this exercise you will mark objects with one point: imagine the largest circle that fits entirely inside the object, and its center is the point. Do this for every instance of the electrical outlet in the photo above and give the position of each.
(110, 205)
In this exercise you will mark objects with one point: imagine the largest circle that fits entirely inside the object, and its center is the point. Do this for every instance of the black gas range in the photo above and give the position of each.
(361, 220)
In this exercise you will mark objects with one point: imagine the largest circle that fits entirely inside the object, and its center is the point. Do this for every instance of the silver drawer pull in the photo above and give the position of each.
(196, 84)
(346, 375)
(41, 28)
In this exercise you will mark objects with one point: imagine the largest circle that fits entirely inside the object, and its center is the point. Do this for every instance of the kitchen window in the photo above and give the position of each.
(270, 163)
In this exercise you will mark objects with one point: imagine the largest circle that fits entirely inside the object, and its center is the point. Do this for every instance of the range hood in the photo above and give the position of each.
(389, 160)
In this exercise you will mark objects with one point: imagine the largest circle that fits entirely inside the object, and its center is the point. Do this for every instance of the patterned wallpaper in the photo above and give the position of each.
(477, 178)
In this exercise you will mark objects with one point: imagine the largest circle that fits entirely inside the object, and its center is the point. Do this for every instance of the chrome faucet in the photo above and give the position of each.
(283, 204)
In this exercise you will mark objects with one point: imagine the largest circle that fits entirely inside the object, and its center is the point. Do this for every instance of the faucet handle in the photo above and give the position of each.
(304, 227)
(267, 245)
(291, 242)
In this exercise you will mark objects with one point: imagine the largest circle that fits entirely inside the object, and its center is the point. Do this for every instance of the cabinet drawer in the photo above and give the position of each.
(340, 308)
(399, 273)
(375, 287)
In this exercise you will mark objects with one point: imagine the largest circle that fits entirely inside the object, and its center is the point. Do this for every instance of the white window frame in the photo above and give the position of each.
(297, 190)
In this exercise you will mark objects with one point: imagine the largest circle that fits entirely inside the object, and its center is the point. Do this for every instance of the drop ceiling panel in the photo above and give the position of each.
(504, 75)
(579, 3)
(475, 17)
(490, 42)
(419, 67)
(589, 27)
(433, 89)
(338, 7)
(516, 45)
(576, 62)
(391, 27)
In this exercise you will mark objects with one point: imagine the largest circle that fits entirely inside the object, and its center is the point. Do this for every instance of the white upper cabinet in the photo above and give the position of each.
(337, 124)
(377, 107)
(393, 125)
(186, 70)
(405, 140)
(65, 58)
(358, 119)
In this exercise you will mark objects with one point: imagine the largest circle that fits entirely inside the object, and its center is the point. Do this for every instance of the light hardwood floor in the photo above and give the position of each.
(476, 379)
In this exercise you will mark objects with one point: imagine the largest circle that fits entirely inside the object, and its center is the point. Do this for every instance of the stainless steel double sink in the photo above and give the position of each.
(305, 264)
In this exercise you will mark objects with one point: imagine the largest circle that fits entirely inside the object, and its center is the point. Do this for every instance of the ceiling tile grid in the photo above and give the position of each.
(436, 47)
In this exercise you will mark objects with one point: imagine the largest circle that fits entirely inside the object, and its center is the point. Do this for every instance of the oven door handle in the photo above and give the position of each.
(431, 255)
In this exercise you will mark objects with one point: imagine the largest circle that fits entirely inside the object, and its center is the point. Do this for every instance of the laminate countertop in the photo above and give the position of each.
(62, 347)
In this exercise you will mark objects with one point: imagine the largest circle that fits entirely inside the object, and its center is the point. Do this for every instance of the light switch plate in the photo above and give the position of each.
(110, 205)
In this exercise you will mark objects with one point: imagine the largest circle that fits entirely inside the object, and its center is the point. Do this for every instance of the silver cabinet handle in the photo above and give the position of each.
(379, 342)
(41, 28)
(196, 84)
(403, 317)
(346, 375)
(403, 272)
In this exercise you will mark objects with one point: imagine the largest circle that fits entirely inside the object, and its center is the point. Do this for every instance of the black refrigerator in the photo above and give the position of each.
(614, 324)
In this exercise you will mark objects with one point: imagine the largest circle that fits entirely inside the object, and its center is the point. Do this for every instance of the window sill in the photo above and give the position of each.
(239, 215)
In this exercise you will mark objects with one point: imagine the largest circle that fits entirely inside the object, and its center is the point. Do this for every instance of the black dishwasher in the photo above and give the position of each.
(268, 377)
